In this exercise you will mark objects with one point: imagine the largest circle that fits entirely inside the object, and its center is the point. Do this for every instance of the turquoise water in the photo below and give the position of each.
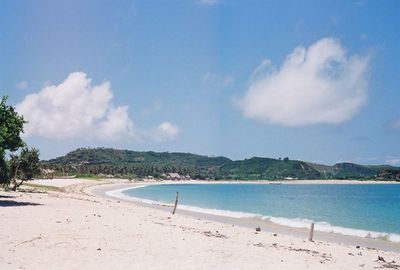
(370, 208)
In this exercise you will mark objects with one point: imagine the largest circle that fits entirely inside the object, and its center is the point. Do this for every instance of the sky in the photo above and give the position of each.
(310, 80)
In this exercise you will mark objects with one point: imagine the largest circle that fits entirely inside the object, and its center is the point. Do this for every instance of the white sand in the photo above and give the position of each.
(75, 230)
(62, 182)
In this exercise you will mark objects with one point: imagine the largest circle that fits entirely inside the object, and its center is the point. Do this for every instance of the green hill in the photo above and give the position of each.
(267, 168)
(134, 163)
(348, 170)
(125, 163)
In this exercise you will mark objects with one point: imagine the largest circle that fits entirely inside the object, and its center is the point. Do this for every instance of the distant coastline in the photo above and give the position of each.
(114, 163)
(272, 182)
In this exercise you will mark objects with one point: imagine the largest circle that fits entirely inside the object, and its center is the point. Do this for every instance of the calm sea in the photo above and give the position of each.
(363, 210)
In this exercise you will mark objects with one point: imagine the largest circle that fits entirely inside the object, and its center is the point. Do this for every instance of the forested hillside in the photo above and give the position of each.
(132, 164)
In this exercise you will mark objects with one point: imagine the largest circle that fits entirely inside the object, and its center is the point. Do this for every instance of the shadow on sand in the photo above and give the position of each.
(7, 203)
(6, 196)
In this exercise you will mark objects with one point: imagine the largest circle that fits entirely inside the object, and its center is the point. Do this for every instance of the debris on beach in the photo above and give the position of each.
(217, 234)
(381, 259)
(390, 265)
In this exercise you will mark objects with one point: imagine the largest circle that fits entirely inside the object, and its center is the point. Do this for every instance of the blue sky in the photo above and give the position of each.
(311, 80)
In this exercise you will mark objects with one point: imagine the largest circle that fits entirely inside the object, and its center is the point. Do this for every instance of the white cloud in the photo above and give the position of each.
(22, 85)
(77, 109)
(165, 131)
(315, 85)
(261, 70)
(117, 125)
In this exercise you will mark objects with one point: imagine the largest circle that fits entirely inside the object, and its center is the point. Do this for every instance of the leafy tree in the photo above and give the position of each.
(4, 171)
(25, 166)
(11, 127)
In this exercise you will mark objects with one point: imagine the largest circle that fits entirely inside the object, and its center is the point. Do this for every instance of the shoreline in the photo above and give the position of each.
(246, 220)
(59, 182)
(272, 182)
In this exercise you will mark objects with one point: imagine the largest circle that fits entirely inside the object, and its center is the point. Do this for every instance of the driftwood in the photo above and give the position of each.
(310, 237)
(176, 203)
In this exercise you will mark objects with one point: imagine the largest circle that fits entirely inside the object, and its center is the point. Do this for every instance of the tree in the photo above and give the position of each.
(11, 127)
(24, 166)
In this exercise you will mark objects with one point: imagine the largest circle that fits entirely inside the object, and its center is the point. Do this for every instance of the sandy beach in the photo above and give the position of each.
(78, 228)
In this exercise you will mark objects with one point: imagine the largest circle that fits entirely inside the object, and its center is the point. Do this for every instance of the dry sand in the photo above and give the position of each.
(76, 229)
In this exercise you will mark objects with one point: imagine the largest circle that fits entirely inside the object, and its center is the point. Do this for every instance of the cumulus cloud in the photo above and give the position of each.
(165, 131)
(315, 85)
(117, 125)
(78, 109)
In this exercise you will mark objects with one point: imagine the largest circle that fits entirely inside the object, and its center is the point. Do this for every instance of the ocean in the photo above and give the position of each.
(365, 210)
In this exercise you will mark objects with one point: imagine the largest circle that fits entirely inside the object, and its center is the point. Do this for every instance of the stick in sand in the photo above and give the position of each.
(310, 238)
(176, 203)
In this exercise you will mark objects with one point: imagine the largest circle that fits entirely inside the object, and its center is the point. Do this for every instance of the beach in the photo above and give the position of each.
(78, 227)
